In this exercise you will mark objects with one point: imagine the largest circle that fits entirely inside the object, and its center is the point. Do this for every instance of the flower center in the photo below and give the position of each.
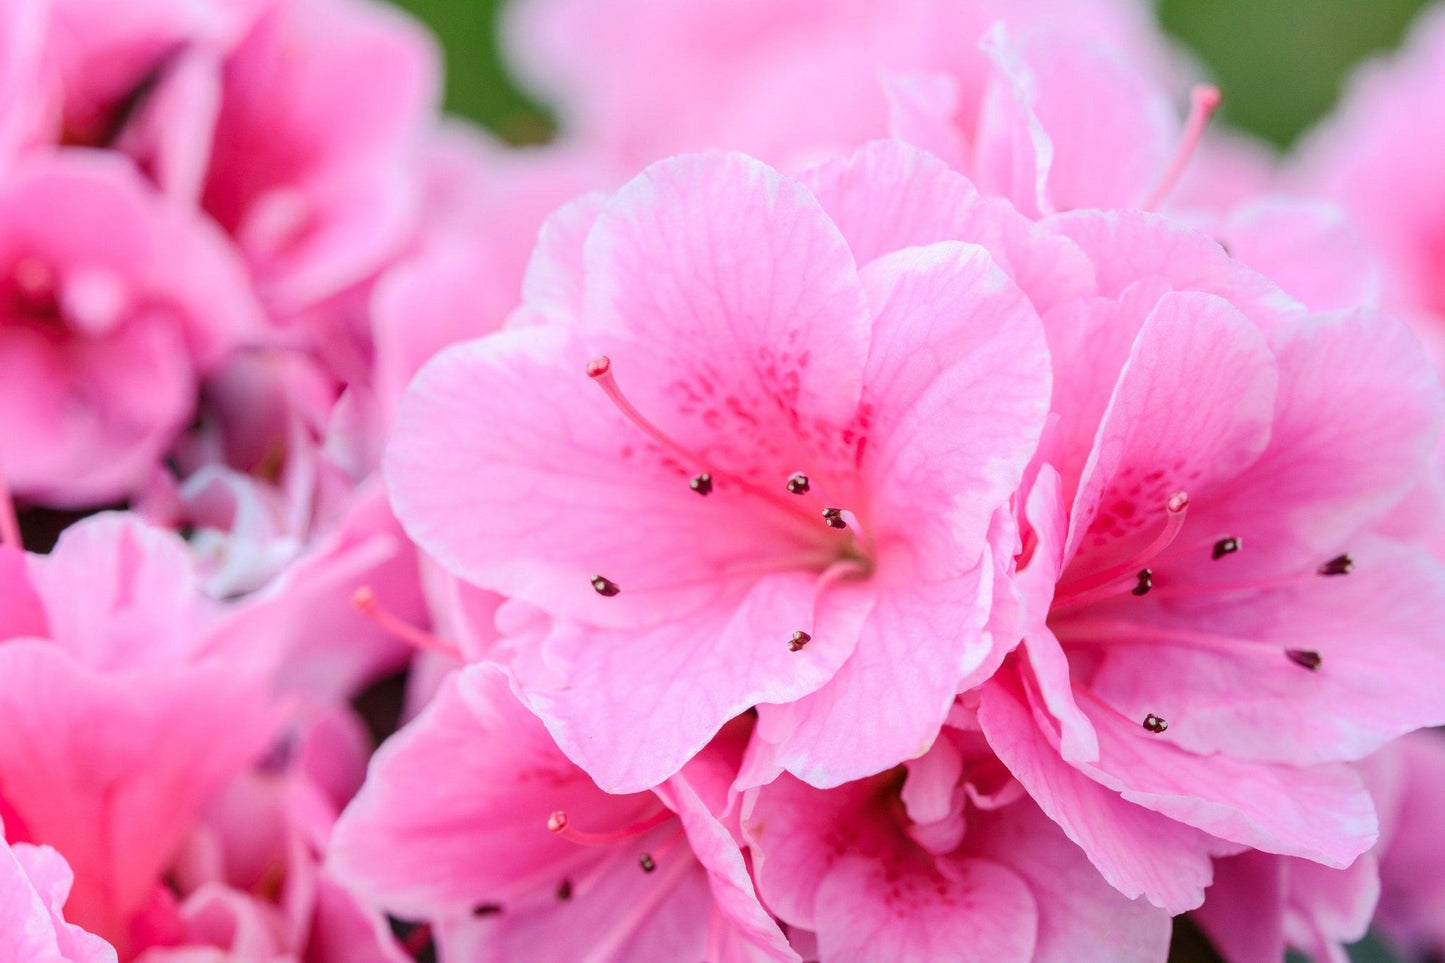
(798, 502)
(1077, 627)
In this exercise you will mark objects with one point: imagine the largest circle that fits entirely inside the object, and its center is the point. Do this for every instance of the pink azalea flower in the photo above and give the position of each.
(1203, 600)
(742, 459)
(313, 165)
(121, 715)
(34, 885)
(943, 858)
(473, 820)
(113, 303)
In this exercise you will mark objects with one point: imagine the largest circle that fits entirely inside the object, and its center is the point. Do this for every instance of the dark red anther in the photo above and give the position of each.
(702, 484)
(564, 890)
(833, 518)
(799, 639)
(1305, 658)
(1145, 582)
(798, 483)
(1339, 565)
(486, 909)
(1225, 546)
(605, 587)
(1155, 723)
(646, 863)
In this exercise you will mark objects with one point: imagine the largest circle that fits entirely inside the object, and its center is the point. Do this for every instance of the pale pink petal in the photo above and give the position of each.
(696, 672)
(1191, 409)
(727, 290)
(1222, 678)
(1243, 911)
(1138, 851)
(1082, 919)
(887, 196)
(976, 910)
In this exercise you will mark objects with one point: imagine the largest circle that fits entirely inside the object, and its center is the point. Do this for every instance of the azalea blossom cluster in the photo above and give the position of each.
(891, 481)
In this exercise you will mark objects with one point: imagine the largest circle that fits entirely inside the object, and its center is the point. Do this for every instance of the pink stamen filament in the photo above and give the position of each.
(1210, 588)
(560, 824)
(599, 369)
(1175, 511)
(365, 602)
(1204, 100)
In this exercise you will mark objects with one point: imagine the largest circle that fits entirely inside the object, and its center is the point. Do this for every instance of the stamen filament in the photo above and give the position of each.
(559, 823)
(599, 369)
(1175, 511)
(1204, 100)
(365, 602)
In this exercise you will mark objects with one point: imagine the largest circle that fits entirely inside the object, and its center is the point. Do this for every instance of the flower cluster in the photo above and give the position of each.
(891, 481)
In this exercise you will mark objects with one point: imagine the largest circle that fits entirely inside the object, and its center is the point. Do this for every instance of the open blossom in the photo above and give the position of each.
(1204, 603)
(942, 858)
(739, 463)
(473, 821)
(34, 884)
(112, 306)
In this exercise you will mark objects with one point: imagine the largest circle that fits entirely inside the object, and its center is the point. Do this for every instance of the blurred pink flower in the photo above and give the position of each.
(758, 505)
(112, 304)
(1380, 155)
(452, 827)
(786, 81)
(121, 717)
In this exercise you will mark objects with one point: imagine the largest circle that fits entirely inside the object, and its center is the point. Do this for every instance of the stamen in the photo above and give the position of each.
(564, 890)
(702, 484)
(1145, 583)
(599, 369)
(605, 587)
(1305, 658)
(1204, 100)
(833, 518)
(798, 483)
(1339, 565)
(799, 639)
(1082, 590)
(559, 824)
(1155, 723)
(365, 601)
(486, 909)
(646, 862)
(1225, 546)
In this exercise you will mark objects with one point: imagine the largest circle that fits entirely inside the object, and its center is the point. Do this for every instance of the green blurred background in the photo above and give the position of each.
(1279, 62)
